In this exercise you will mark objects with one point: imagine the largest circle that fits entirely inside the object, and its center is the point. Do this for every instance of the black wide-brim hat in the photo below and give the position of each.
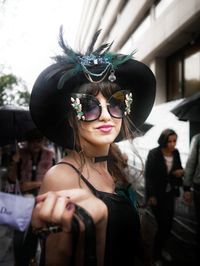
(48, 104)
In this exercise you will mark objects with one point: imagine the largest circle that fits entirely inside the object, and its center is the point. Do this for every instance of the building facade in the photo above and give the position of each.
(165, 35)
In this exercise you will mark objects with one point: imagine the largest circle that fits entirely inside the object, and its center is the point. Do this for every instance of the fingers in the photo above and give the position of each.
(66, 218)
(178, 173)
(63, 193)
(47, 207)
(35, 220)
(60, 206)
(51, 208)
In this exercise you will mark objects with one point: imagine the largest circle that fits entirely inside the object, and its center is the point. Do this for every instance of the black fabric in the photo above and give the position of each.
(90, 258)
(25, 247)
(100, 159)
(157, 179)
(163, 212)
(156, 175)
(122, 228)
(75, 234)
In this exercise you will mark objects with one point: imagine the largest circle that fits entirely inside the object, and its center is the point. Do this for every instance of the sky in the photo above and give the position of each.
(29, 34)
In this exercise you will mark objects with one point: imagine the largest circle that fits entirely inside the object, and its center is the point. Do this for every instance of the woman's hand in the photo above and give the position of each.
(58, 207)
(187, 195)
(178, 173)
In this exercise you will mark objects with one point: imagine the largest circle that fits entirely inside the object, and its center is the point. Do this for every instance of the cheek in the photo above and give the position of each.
(84, 128)
(171, 145)
(118, 125)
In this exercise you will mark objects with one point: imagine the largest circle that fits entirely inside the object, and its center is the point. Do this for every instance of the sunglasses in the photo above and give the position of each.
(89, 109)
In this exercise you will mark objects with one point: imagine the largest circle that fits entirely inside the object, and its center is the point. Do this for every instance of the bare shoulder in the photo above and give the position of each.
(60, 176)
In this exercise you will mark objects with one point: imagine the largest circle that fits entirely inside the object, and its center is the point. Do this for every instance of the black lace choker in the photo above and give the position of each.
(100, 159)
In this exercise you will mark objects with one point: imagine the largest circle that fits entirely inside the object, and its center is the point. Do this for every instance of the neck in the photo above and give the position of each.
(166, 152)
(95, 159)
(95, 155)
(89, 157)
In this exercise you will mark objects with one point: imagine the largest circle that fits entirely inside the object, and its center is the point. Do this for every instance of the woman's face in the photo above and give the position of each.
(171, 143)
(102, 131)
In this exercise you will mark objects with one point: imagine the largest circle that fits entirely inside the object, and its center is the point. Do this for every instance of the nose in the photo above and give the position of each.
(105, 116)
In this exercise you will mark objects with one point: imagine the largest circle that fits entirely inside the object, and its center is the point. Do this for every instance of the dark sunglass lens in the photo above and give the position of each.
(116, 105)
(90, 108)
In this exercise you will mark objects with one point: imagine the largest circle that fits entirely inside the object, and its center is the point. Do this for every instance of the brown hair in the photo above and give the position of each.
(116, 161)
(164, 136)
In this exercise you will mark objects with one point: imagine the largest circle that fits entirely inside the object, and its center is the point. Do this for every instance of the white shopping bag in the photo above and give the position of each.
(16, 210)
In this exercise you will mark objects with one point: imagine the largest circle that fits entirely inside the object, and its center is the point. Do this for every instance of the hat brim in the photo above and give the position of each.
(48, 104)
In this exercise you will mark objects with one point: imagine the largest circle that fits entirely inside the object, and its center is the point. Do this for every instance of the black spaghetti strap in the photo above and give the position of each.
(95, 192)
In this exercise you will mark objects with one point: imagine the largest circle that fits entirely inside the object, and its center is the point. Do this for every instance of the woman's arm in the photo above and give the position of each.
(58, 207)
(178, 169)
(149, 175)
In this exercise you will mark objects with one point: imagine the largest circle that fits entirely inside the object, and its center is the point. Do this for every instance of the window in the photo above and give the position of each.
(175, 81)
(183, 72)
(192, 74)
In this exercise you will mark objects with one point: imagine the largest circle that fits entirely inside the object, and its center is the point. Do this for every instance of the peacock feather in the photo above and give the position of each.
(71, 62)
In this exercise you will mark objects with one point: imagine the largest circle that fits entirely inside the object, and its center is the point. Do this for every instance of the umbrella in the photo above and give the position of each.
(15, 121)
(188, 109)
(144, 128)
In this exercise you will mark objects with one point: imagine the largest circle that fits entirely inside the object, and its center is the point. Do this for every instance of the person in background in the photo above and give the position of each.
(31, 162)
(192, 180)
(29, 165)
(85, 103)
(6, 232)
(163, 176)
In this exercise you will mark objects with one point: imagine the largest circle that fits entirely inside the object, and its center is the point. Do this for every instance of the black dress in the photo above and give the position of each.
(123, 227)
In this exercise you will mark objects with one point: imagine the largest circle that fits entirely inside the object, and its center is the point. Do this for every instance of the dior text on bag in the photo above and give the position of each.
(16, 210)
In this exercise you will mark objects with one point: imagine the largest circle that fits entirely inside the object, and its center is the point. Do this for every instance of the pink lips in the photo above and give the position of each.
(105, 128)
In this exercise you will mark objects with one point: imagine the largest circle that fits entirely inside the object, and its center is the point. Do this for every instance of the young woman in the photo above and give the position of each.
(85, 103)
(163, 176)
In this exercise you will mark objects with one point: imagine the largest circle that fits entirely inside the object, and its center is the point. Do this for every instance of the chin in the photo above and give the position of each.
(106, 139)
